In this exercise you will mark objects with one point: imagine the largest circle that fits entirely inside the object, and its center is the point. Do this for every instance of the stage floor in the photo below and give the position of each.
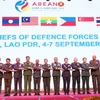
(50, 97)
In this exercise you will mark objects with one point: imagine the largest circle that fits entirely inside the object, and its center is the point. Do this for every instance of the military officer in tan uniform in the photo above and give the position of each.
(27, 75)
(95, 72)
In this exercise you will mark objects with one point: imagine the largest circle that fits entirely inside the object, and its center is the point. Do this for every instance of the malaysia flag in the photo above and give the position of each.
(29, 21)
(10, 21)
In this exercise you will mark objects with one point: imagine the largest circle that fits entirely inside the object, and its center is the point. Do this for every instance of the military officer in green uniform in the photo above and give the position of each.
(27, 75)
(37, 77)
(1, 74)
(46, 76)
(56, 75)
(85, 75)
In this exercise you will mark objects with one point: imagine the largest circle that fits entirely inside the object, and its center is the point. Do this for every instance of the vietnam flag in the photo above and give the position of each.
(48, 21)
(85, 19)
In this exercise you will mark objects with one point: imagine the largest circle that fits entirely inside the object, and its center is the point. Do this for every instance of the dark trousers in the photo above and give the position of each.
(7, 86)
(85, 80)
(37, 85)
(56, 81)
(0, 84)
(27, 83)
(76, 78)
(66, 80)
(46, 82)
(16, 82)
(96, 83)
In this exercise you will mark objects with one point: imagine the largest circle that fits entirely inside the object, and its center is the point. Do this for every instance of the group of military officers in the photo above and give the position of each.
(7, 69)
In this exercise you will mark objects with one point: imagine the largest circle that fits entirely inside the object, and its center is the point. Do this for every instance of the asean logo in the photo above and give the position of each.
(61, 4)
(22, 6)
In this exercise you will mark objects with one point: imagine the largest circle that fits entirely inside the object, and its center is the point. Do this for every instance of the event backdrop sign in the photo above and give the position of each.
(47, 29)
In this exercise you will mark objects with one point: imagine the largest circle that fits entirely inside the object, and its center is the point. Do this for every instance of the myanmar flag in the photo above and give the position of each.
(48, 21)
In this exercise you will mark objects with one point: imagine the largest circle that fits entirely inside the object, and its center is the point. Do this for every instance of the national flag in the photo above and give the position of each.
(48, 21)
(98, 21)
(86, 19)
(29, 21)
(10, 21)
(68, 21)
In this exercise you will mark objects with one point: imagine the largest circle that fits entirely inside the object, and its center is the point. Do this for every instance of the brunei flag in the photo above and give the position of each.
(48, 21)
(68, 21)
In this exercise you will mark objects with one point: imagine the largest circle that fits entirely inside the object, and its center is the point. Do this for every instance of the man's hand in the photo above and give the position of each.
(50, 68)
(13, 70)
(3, 71)
(42, 69)
(80, 68)
(21, 68)
(72, 69)
(91, 67)
(30, 68)
(60, 68)
(0, 70)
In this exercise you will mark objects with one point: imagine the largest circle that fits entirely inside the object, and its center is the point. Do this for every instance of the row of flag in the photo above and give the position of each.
(46, 21)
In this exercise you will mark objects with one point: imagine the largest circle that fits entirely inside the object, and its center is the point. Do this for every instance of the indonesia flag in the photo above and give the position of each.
(85, 19)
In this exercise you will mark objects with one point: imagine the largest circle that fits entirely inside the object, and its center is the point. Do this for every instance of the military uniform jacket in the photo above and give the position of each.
(7, 74)
(46, 72)
(66, 71)
(1, 67)
(56, 71)
(96, 65)
(85, 72)
(76, 66)
(37, 71)
(26, 65)
(17, 74)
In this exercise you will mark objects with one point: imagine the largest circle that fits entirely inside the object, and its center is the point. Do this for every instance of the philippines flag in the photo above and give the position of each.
(98, 21)
(68, 21)
(85, 19)
(10, 21)
(29, 21)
